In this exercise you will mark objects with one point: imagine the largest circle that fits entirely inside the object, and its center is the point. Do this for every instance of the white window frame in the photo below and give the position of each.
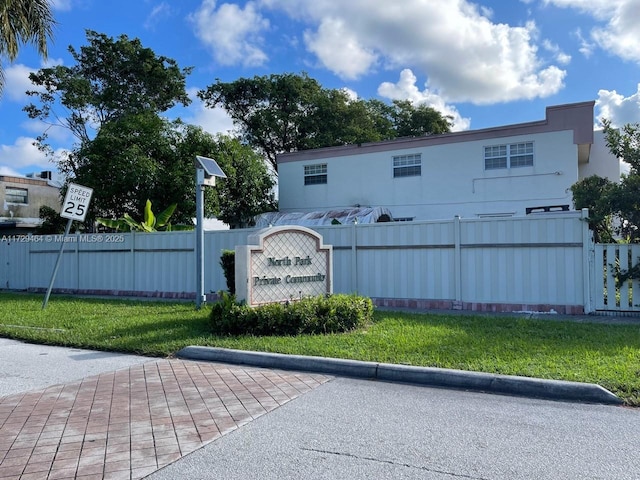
(409, 165)
(16, 195)
(315, 174)
(506, 156)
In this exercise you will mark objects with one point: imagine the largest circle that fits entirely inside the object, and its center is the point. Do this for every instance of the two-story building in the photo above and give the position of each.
(21, 199)
(511, 170)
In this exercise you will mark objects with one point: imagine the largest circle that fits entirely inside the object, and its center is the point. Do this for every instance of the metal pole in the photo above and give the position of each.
(199, 238)
(55, 269)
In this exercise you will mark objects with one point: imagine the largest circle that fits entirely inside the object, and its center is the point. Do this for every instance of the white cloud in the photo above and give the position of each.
(212, 120)
(406, 89)
(23, 154)
(61, 5)
(586, 48)
(233, 34)
(620, 35)
(339, 50)
(17, 82)
(617, 108)
(464, 55)
(159, 12)
(561, 57)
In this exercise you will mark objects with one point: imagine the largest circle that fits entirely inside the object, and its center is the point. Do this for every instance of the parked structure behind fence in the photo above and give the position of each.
(538, 263)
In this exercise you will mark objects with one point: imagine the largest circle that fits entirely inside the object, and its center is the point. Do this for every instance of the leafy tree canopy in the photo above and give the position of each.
(111, 79)
(248, 189)
(614, 208)
(288, 112)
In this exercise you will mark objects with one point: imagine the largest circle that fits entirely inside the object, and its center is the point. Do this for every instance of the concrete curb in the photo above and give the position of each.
(427, 376)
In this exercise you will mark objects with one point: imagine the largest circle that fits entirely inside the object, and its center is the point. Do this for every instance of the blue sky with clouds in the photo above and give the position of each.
(486, 63)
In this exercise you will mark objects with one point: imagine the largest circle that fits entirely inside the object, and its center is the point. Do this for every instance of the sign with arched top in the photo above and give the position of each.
(283, 264)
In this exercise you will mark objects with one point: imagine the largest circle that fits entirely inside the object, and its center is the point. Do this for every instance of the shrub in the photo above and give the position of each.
(228, 264)
(310, 315)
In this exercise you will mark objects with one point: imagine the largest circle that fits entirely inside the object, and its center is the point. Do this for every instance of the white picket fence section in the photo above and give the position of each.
(537, 263)
(611, 295)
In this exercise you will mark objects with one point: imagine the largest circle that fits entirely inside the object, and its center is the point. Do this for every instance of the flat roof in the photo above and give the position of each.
(574, 116)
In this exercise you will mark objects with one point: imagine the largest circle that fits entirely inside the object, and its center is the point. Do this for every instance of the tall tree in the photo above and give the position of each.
(288, 112)
(595, 193)
(248, 189)
(614, 208)
(24, 21)
(110, 80)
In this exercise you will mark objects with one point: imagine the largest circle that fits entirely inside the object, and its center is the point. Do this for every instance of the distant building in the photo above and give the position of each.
(21, 199)
(512, 170)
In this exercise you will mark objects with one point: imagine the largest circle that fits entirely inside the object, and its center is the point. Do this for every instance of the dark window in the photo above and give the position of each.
(315, 174)
(16, 195)
(407, 165)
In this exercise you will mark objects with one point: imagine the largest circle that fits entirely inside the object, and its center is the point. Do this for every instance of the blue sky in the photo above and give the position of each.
(486, 63)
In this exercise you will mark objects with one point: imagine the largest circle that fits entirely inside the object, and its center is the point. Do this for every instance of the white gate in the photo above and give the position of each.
(613, 292)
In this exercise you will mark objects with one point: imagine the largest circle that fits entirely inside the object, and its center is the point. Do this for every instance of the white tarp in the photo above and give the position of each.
(326, 217)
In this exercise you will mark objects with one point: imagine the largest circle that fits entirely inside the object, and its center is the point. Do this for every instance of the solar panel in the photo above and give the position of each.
(210, 167)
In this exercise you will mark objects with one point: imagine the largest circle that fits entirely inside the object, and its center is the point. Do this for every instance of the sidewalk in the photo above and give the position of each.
(129, 423)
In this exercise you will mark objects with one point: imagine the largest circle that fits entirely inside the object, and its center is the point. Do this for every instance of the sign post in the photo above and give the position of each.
(206, 172)
(75, 207)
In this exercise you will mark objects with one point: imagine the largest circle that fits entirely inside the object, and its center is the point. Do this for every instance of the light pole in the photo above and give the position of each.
(206, 172)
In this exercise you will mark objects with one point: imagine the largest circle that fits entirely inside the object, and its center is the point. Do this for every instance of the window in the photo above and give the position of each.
(315, 174)
(407, 165)
(508, 156)
(16, 195)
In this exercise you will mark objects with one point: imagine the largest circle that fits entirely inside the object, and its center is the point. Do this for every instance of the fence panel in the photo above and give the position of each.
(14, 265)
(611, 260)
(536, 260)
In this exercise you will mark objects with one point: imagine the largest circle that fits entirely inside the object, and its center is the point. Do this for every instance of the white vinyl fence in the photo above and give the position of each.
(611, 294)
(534, 263)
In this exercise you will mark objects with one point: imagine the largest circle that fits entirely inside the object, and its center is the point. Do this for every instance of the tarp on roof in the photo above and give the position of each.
(325, 217)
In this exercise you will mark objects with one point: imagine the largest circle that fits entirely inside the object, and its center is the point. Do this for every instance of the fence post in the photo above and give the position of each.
(588, 262)
(133, 261)
(457, 261)
(354, 257)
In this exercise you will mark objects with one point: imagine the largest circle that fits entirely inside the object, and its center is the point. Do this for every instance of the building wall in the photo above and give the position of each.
(453, 180)
(601, 161)
(39, 193)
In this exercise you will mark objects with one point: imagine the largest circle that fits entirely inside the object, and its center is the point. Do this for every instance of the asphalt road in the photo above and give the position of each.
(358, 429)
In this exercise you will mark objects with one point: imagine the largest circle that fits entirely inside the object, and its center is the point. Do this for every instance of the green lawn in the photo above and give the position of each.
(608, 355)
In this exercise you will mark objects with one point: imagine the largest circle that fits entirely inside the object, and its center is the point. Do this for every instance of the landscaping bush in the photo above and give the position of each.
(311, 315)
(228, 264)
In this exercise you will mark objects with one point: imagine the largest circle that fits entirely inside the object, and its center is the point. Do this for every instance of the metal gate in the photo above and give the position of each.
(613, 291)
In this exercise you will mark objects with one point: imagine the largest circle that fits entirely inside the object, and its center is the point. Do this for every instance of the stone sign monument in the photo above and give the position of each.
(282, 264)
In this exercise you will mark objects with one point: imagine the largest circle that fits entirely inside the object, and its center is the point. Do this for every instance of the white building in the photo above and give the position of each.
(510, 170)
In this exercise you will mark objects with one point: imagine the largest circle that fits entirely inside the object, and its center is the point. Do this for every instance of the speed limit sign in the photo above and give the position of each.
(76, 202)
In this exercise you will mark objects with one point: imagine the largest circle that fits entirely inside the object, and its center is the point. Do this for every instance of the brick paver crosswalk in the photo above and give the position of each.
(129, 423)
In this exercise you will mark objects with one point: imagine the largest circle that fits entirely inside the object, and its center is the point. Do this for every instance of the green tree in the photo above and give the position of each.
(288, 112)
(111, 79)
(624, 143)
(614, 208)
(595, 193)
(248, 189)
(52, 222)
(24, 21)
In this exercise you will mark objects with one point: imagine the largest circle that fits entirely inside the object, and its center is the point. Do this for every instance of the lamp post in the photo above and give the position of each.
(206, 172)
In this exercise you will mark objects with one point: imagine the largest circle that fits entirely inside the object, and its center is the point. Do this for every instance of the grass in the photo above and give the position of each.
(608, 355)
